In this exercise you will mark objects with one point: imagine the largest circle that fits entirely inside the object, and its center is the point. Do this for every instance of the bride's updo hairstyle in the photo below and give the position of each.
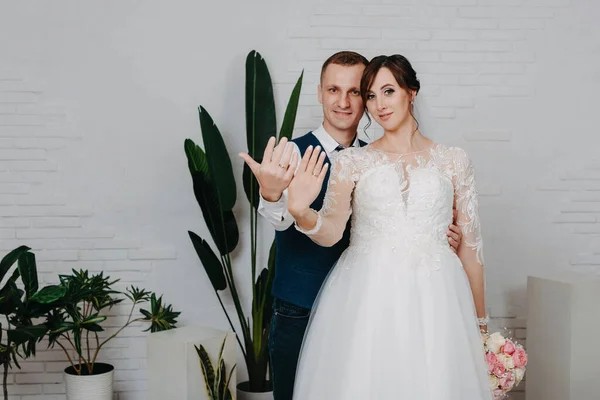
(402, 70)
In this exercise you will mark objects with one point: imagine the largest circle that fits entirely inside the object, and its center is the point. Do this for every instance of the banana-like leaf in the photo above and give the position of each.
(219, 163)
(262, 314)
(196, 157)
(251, 187)
(9, 260)
(261, 122)
(289, 120)
(221, 224)
(268, 297)
(212, 265)
(28, 271)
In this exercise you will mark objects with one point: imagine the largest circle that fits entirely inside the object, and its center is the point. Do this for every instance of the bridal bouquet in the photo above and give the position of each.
(506, 360)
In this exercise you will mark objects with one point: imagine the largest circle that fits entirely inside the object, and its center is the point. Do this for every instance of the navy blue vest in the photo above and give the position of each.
(301, 265)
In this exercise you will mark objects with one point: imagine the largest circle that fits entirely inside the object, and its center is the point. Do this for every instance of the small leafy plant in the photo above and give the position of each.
(216, 379)
(75, 320)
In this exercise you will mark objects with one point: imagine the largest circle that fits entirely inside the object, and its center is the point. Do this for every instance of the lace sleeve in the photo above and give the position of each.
(465, 197)
(336, 210)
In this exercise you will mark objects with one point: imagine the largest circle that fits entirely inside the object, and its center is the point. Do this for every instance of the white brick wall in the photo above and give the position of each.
(98, 98)
(37, 214)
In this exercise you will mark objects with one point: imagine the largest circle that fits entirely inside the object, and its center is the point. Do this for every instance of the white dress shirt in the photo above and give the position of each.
(276, 212)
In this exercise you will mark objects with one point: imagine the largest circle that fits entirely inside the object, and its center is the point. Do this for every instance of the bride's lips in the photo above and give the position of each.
(383, 117)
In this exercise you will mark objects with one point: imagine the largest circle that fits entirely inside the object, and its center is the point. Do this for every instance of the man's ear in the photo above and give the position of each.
(319, 94)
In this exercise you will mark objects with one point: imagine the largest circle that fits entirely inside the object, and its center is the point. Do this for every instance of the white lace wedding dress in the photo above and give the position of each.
(395, 318)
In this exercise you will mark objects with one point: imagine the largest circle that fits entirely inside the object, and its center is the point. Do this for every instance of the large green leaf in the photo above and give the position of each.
(77, 340)
(26, 333)
(221, 224)
(28, 271)
(11, 295)
(49, 294)
(261, 122)
(9, 260)
(92, 322)
(251, 187)
(222, 228)
(219, 163)
(212, 265)
(268, 299)
(196, 157)
(289, 120)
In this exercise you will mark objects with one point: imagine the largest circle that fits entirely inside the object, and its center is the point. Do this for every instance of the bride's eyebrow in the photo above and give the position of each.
(386, 85)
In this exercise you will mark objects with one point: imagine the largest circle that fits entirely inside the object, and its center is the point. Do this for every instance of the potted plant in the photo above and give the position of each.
(215, 190)
(18, 334)
(74, 324)
(216, 378)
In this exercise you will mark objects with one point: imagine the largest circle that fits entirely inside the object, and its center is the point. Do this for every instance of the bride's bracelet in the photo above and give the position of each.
(483, 321)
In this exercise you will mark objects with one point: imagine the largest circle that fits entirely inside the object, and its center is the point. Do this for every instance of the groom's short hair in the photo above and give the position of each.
(346, 58)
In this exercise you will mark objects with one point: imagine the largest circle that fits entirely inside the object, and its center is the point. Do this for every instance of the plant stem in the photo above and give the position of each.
(72, 345)
(5, 379)
(231, 324)
(226, 260)
(69, 358)
(87, 340)
(253, 219)
(113, 336)
(256, 321)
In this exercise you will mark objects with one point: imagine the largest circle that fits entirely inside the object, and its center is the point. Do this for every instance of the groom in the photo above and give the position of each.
(301, 265)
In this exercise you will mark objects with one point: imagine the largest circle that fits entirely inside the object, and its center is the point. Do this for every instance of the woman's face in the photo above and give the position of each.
(387, 102)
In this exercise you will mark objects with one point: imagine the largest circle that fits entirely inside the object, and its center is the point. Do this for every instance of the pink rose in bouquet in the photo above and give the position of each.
(519, 357)
(498, 369)
(509, 347)
(506, 361)
(507, 381)
(492, 360)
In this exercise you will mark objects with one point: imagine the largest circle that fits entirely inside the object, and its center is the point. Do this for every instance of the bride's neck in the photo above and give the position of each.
(404, 140)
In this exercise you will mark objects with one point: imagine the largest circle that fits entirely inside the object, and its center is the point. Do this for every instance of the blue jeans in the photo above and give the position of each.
(285, 340)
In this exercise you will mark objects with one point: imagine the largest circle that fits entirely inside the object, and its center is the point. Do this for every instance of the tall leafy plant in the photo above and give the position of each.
(215, 190)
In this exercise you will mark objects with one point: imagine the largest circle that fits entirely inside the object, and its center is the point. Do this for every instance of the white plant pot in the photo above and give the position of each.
(244, 395)
(90, 387)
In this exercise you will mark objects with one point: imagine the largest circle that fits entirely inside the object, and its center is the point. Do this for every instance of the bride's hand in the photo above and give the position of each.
(307, 182)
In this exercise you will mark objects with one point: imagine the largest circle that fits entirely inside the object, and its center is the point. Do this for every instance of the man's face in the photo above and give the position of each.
(339, 93)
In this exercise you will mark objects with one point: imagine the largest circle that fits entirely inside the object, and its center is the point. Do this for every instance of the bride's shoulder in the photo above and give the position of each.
(452, 153)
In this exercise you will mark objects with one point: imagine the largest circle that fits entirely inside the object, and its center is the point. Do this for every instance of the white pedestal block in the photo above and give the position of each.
(563, 324)
(174, 370)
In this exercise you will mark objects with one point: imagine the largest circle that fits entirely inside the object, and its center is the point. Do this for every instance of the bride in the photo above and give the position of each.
(399, 316)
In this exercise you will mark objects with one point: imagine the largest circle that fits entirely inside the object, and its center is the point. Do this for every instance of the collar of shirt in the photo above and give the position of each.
(329, 143)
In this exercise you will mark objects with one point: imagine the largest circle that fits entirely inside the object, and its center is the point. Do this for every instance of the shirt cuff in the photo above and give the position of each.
(277, 208)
